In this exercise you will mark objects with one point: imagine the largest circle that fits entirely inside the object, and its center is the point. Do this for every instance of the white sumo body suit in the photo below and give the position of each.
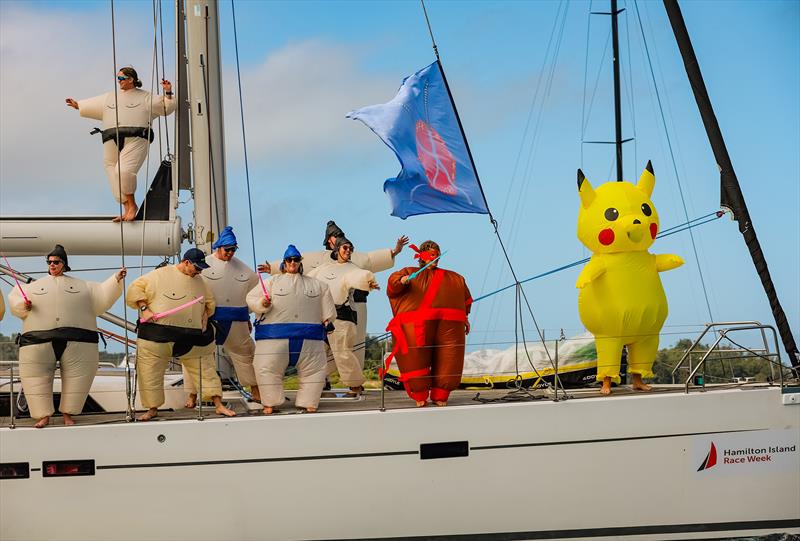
(230, 282)
(135, 111)
(162, 290)
(59, 303)
(375, 261)
(291, 329)
(343, 279)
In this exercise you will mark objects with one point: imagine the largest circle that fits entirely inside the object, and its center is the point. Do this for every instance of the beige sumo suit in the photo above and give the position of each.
(137, 108)
(343, 279)
(179, 335)
(290, 331)
(230, 281)
(61, 325)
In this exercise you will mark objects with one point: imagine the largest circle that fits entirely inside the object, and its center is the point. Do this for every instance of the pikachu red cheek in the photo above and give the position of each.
(606, 237)
(653, 230)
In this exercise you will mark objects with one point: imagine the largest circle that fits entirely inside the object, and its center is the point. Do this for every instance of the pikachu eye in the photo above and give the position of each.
(646, 210)
(611, 214)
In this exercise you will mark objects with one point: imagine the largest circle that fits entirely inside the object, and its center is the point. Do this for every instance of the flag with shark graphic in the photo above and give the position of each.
(421, 127)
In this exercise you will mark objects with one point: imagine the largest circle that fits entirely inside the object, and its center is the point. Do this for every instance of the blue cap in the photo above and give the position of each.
(226, 238)
(291, 251)
(196, 257)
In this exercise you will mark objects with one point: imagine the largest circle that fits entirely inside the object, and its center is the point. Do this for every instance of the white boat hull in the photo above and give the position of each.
(585, 468)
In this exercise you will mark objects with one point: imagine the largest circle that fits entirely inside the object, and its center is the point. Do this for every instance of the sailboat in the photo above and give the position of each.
(718, 461)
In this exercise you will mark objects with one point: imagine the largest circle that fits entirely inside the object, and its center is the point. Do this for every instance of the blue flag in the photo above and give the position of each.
(420, 126)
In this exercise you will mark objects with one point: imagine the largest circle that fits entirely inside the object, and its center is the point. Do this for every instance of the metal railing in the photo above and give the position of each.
(723, 330)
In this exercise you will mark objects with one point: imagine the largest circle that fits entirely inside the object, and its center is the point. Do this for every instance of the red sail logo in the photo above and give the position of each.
(433, 154)
(710, 460)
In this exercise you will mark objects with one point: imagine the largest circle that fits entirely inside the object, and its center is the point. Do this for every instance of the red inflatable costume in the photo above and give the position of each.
(429, 327)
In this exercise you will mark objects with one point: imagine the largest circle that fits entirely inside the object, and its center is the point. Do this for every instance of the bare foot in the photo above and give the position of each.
(43, 422)
(638, 385)
(222, 410)
(440, 403)
(68, 420)
(130, 214)
(267, 410)
(118, 219)
(606, 389)
(422, 403)
(191, 402)
(149, 414)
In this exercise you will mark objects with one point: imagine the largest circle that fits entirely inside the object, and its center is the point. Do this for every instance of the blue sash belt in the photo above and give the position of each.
(224, 316)
(296, 333)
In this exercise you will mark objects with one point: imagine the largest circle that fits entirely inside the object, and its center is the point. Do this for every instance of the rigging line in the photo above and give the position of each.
(667, 232)
(153, 89)
(244, 137)
(514, 177)
(597, 81)
(483, 194)
(213, 200)
(630, 82)
(129, 406)
(155, 62)
(582, 129)
(674, 166)
(163, 70)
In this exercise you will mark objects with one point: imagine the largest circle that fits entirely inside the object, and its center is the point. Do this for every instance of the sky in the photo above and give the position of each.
(531, 81)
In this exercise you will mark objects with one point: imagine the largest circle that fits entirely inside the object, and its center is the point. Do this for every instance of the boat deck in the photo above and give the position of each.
(335, 401)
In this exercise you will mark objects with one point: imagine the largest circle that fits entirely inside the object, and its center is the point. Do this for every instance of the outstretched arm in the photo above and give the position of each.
(591, 271)
(665, 262)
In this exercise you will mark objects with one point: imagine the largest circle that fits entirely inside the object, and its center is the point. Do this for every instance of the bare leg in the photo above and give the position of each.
(220, 407)
(149, 414)
(130, 208)
(191, 402)
(638, 385)
(255, 392)
(68, 420)
(606, 389)
(43, 422)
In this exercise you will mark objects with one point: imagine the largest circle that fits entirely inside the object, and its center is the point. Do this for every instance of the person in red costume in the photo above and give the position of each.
(430, 307)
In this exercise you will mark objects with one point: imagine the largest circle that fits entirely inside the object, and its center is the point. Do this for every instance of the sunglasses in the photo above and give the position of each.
(197, 267)
(231, 249)
(122, 78)
(347, 247)
(293, 259)
(54, 262)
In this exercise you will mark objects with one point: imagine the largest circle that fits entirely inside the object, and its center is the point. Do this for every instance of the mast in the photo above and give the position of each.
(205, 100)
(731, 196)
(617, 105)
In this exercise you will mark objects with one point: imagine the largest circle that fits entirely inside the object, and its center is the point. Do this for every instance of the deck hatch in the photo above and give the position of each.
(15, 470)
(67, 468)
(445, 449)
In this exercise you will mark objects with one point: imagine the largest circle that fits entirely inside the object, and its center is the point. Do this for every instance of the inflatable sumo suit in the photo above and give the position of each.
(428, 328)
(621, 299)
(61, 326)
(179, 335)
(374, 261)
(230, 281)
(290, 332)
(137, 108)
(343, 279)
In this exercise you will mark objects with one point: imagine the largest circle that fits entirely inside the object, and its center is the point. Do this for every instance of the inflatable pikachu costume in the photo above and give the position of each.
(621, 299)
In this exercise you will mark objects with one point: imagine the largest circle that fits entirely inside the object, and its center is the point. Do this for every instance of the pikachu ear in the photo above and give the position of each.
(585, 190)
(647, 181)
